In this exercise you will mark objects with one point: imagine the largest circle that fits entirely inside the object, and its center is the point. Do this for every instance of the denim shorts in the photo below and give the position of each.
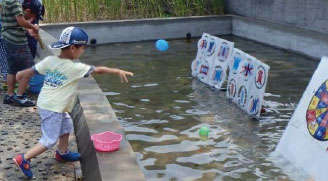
(54, 125)
(19, 57)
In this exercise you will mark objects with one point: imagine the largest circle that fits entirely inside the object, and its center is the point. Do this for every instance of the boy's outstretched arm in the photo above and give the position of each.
(27, 73)
(105, 70)
(26, 23)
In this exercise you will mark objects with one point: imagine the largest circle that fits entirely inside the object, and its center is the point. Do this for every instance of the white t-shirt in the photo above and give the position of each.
(60, 83)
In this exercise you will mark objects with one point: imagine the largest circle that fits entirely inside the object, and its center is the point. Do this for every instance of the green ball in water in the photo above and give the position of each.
(203, 131)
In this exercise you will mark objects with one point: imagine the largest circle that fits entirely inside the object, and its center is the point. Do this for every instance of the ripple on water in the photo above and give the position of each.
(122, 104)
(182, 101)
(150, 138)
(135, 128)
(184, 146)
(111, 93)
(197, 112)
(177, 117)
(205, 158)
(174, 171)
(170, 129)
(136, 86)
(144, 100)
(153, 121)
(151, 85)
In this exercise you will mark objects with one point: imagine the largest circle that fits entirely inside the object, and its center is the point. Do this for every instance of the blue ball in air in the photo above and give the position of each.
(162, 45)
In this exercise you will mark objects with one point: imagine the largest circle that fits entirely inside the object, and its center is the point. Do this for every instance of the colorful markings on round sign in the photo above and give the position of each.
(316, 115)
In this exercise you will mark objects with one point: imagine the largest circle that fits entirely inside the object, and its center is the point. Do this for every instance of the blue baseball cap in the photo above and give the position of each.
(71, 36)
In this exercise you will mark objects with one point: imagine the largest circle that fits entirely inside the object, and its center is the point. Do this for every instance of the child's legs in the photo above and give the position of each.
(66, 129)
(51, 129)
(25, 60)
(18, 58)
(11, 80)
(11, 76)
(35, 151)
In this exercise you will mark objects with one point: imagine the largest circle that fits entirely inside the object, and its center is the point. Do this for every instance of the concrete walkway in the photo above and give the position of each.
(19, 131)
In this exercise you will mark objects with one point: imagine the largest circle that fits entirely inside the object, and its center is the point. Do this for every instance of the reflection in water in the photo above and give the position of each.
(163, 108)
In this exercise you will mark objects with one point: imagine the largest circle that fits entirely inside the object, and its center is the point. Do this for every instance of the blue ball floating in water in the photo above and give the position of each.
(162, 45)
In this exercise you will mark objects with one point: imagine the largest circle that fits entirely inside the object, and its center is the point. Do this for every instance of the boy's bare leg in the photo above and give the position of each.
(63, 143)
(11, 80)
(22, 86)
(35, 151)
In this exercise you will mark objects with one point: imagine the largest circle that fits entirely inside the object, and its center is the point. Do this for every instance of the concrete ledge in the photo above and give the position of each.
(147, 29)
(93, 114)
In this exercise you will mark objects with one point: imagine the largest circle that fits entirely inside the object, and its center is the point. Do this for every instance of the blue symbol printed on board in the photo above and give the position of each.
(236, 63)
(218, 75)
(247, 69)
(241, 97)
(211, 46)
(254, 106)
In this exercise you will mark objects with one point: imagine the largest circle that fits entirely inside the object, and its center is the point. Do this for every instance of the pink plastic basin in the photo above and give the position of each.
(106, 141)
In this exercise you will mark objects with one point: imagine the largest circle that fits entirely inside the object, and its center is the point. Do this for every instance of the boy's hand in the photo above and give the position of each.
(122, 74)
(36, 28)
(33, 33)
(19, 76)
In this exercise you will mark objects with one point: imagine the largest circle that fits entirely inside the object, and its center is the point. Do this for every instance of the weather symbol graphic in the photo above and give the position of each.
(247, 69)
(242, 96)
(203, 71)
(231, 88)
(254, 105)
(236, 62)
(316, 115)
(203, 44)
(217, 75)
(260, 77)
(224, 52)
(211, 47)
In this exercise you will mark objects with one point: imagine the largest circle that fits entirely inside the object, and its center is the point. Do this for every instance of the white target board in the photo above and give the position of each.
(247, 76)
(247, 82)
(211, 63)
(304, 142)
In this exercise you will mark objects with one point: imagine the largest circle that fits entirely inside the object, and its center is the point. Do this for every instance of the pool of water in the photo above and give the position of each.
(162, 108)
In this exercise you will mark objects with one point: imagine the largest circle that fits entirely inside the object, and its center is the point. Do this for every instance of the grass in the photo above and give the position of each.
(95, 10)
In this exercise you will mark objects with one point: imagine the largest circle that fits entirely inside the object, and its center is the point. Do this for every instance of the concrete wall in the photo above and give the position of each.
(149, 29)
(305, 14)
(308, 43)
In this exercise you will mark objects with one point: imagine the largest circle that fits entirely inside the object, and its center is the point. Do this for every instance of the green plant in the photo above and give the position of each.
(93, 10)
